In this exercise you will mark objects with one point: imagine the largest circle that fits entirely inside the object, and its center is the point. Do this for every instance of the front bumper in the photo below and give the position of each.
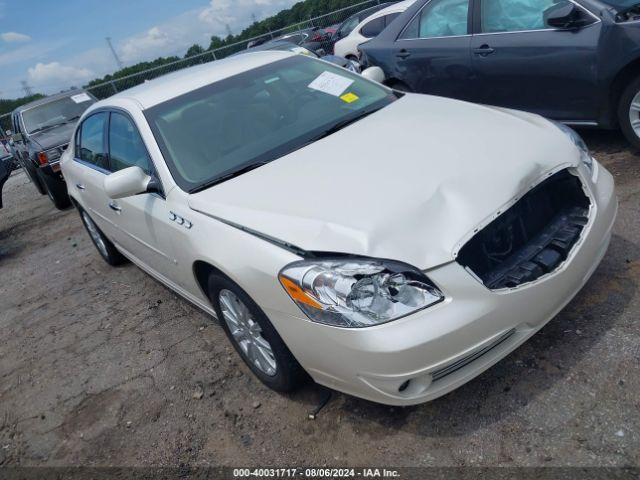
(430, 353)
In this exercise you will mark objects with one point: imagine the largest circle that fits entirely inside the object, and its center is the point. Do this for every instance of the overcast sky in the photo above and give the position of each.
(56, 44)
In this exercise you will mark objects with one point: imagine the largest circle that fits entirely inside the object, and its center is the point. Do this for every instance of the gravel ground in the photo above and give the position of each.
(103, 366)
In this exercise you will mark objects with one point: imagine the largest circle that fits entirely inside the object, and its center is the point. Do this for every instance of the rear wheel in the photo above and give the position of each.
(106, 249)
(629, 113)
(254, 337)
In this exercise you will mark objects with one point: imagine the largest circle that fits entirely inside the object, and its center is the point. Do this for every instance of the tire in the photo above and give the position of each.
(288, 374)
(107, 250)
(56, 189)
(33, 176)
(630, 95)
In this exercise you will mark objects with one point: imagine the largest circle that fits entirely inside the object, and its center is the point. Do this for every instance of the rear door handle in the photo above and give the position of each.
(115, 207)
(79, 186)
(483, 51)
(403, 54)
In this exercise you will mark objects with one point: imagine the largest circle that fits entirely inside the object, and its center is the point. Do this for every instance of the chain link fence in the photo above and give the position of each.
(106, 89)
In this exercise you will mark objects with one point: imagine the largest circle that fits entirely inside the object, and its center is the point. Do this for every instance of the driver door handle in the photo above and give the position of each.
(403, 54)
(115, 207)
(79, 186)
(484, 50)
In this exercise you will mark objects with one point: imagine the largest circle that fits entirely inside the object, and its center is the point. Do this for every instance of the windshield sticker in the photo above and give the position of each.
(81, 98)
(272, 80)
(331, 83)
(300, 50)
(349, 97)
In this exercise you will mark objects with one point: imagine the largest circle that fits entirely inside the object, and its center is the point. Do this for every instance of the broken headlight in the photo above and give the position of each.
(577, 140)
(355, 293)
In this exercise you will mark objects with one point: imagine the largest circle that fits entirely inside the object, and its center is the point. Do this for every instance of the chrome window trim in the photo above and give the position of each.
(433, 38)
(91, 166)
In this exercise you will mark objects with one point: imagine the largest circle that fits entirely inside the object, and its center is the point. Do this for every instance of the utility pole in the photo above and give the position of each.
(229, 32)
(115, 54)
(28, 91)
(254, 19)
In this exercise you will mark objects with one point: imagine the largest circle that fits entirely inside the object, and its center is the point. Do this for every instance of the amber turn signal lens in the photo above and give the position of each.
(298, 294)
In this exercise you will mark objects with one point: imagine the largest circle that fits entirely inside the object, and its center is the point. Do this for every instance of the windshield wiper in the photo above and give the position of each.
(344, 123)
(228, 176)
(55, 125)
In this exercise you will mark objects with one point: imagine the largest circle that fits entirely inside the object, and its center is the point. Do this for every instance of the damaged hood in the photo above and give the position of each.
(408, 183)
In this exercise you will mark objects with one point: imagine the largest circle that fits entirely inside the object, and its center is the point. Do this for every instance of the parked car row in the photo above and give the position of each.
(575, 61)
(372, 73)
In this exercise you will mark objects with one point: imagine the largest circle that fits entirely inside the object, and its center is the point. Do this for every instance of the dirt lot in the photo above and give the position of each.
(99, 366)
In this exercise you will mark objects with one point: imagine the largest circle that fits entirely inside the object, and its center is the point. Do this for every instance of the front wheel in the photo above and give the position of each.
(629, 113)
(253, 336)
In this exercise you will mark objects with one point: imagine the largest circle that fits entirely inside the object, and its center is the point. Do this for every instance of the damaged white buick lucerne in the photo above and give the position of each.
(392, 246)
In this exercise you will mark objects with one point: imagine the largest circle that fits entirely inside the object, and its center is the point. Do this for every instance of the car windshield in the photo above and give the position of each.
(226, 128)
(59, 112)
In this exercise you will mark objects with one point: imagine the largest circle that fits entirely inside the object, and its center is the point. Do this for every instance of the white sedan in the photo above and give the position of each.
(369, 28)
(391, 246)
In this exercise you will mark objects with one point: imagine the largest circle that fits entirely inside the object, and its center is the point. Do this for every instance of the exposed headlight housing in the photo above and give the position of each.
(358, 292)
(577, 140)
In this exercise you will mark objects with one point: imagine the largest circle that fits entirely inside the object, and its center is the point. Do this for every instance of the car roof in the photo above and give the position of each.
(396, 7)
(370, 10)
(49, 99)
(172, 85)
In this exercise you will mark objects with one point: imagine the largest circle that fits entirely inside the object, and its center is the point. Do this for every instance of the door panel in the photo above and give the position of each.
(549, 72)
(436, 66)
(144, 227)
(86, 173)
(88, 182)
(432, 53)
(145, 231)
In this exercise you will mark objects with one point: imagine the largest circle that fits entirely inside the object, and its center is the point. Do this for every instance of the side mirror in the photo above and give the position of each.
(564, 14)
(321, 52)
(17, 137)
(374, 73)
(127, 183)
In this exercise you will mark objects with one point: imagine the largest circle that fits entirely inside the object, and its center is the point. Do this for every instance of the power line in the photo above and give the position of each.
(28, 91)
(115, 54)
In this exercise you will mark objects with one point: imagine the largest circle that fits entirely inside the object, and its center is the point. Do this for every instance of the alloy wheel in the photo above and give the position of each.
(247, 333)
(634, 114)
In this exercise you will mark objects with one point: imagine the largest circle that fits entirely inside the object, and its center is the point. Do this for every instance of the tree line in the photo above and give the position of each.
(300, 12)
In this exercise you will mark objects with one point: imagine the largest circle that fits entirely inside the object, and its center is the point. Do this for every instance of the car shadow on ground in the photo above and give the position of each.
(516, 381)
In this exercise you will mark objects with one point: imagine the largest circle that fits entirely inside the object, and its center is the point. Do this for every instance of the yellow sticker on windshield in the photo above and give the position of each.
(349, 97)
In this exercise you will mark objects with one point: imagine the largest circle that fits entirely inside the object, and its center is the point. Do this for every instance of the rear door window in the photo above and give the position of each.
(373, 28)
(92, 149)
